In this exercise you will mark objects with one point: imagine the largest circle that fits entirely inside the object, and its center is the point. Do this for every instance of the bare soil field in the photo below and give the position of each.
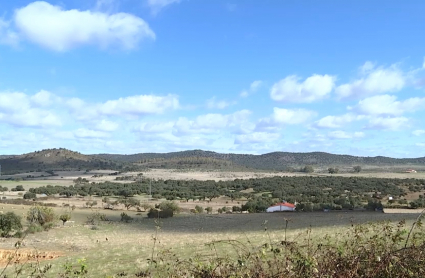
(26, 255)
(404, 211)
(66, 177)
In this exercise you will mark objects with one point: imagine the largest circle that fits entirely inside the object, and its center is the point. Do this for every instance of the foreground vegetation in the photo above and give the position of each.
(250, 245)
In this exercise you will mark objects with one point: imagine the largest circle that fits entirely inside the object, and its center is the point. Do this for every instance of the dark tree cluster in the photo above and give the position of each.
(313, 192)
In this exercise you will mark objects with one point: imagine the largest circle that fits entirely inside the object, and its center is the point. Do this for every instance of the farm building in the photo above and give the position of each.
(284, 206)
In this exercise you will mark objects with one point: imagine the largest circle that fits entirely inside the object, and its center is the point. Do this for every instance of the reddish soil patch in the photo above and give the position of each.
(26, 255)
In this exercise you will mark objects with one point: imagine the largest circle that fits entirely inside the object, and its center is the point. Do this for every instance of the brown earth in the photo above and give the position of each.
(26, 255)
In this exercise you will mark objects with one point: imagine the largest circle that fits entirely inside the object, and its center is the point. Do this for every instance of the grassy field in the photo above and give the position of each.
(113, 246)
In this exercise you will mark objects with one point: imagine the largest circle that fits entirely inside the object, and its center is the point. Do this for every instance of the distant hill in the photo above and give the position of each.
(63, 159)
(55, 159)
(269, 161)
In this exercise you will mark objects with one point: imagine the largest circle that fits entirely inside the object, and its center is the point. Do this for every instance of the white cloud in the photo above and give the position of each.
(21, 110)
(292, 116)
(388, 105)
(31, 118)
(389, 123)
(44, 98)
(374, 81)
(315, 87)
(7, 35)
(337, 121)
(255, 85)
(418, 132)
(157, 5)
(60, 30)
(155, 127)
(244, 93)
(213, 103)
(256, 137)
(367, 67)
(105, 125)
(282, 116)
(211, 123)
(252, 88)
(423, 64)
(88, 133)
(139, 105)
(339, 134)
(106, 5)
(128, 107)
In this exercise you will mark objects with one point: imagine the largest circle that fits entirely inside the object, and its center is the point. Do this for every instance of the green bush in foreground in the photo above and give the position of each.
(375, 250)
(10, 224)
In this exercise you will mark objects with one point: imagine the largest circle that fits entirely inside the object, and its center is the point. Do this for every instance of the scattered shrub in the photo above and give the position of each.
(169, 205)
(95, 218)
(64, 218)
(199, 209)
(91, 204)
(155, 213)
(29, 195)
(236, 209)
(18, 188)
(34, 228)
(10, 224)
(125, 217)
(41, 215)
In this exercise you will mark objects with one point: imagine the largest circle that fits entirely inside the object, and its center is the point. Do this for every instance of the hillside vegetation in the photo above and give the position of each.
(55, 160)
(270, 161)
(63, 159)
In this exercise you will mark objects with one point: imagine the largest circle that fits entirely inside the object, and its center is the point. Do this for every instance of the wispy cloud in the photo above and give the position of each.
(158, 5)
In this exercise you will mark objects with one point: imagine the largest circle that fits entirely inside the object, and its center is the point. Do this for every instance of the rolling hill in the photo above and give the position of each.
(63, 159)
(269, 161)
(55, 160)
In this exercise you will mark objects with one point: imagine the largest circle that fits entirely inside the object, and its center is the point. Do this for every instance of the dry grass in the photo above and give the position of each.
(114, 246)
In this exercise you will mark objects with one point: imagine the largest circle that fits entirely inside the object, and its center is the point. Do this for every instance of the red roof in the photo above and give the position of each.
(289, 205)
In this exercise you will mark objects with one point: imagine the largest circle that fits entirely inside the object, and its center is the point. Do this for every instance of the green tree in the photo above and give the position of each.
(9, 222)
(29, 195)
(333, 170)
(208, 210)
(169, 205)
(199, 209)
(125, 217)
(357, 169)
(308, 169)
(129, 202)
(40, 215)
(64, 218)
(91, 204)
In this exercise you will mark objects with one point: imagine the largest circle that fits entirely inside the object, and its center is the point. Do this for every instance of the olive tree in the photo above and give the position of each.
(64, 218)
(41, 215)
(9, 222)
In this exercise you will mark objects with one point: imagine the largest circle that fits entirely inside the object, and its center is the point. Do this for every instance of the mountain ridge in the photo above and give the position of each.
(64, 159)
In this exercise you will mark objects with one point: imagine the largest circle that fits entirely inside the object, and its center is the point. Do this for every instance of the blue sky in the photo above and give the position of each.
(129, 76)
